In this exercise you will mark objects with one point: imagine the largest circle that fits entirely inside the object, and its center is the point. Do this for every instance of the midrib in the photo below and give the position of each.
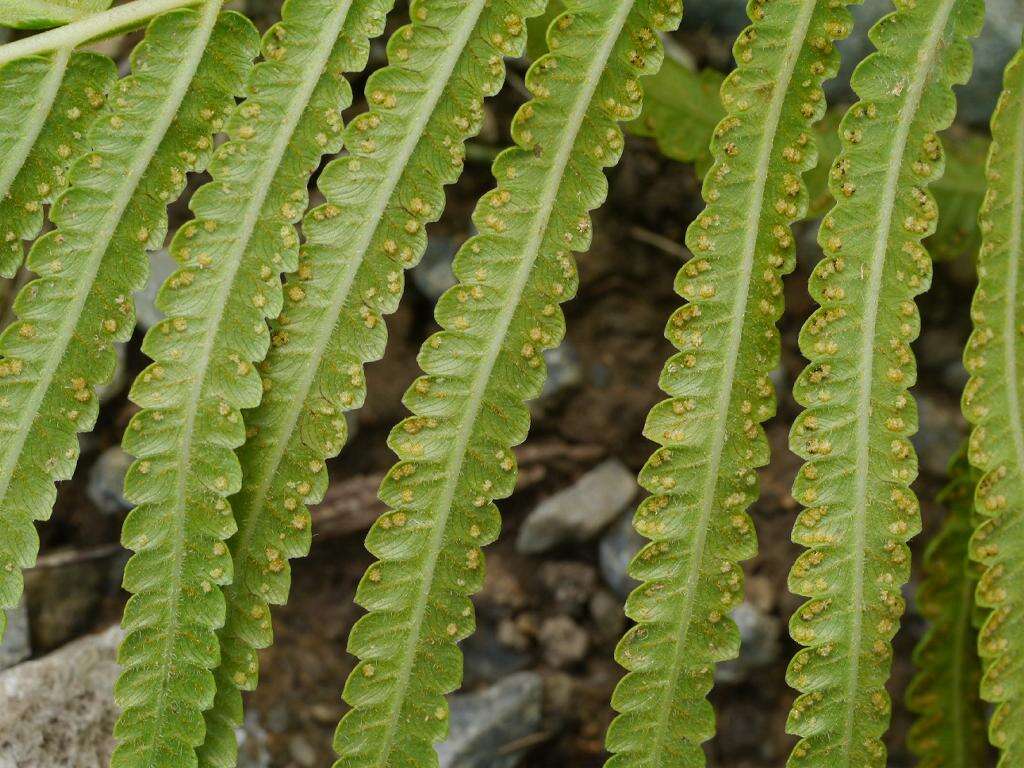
(197, 46)
(1011, 382)
(727, 380)
(92, 27)
(385, 190)
(102, 236)
(18, 154)
(887, 202)
(478, 388)
(262, 183)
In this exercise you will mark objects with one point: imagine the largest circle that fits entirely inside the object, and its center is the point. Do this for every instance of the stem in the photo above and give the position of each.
(120, 19)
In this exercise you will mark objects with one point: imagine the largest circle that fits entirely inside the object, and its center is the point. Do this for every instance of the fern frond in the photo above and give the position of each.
(949, 731)
(242, 239)
(41, 14)
(97, 26)
(233, 253)
(681, 110)
(423, 107)
(47, 105)
(992, 402)
(61, 346)
(455, 453)
(854, 433)
(159, 128)
(703, 478)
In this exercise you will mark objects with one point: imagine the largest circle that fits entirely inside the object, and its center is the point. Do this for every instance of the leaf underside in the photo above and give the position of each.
(290, 118)
(854, 433)
(47, 105)
(992, 403)
(401, 153)
(159, 128)
(60, 347)
(702, 478)
(41, 14)
(455, 453)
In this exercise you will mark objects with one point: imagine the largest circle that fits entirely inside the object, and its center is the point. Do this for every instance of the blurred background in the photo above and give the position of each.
(539, 670)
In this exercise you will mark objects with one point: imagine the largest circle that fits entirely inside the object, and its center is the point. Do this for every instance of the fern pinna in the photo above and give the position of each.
(455, 453)
(702, 477)
(39, 14)
(949, 731)
(47, 105)
(157, 126)
(401, 152)
(854, 432)
(232, 253)
(992, 402)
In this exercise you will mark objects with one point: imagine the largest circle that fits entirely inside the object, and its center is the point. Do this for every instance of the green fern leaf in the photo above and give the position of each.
(41, 14)
(402, 152)
(949, 731)
(47, 105)
(854, 432)
(455, 453)
(702, 477)
(992, 403)
(233, 253)
(61, 346)
(681, 110)
(278, 135)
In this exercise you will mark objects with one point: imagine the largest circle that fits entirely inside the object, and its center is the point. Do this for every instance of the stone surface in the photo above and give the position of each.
(105, 487)
(606, 611)
(616, 549)
(564, 369)
(563, 640)
(58, 711)
(569, 582)
(485, 659)
(941, 430)
(484, 724)
(759, 643)
(64, 590)
(114, 387)
(16, 645)
(433, 275)
(579, 512)
(161, 266)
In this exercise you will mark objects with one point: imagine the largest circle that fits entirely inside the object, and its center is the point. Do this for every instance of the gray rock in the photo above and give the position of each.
(433, 275)
(564, 641)
(570, 583)
(59, 711)
(606, 611)
(483, 724)
(64, 590)
(579, 512)
(105, 487)
(110, 390)
(941, 429)
(759, 643)
(302, 751)
(564, 369)
(161, 266)
(16, 645)
(253, 751)
(486, 659)
(615, 551)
